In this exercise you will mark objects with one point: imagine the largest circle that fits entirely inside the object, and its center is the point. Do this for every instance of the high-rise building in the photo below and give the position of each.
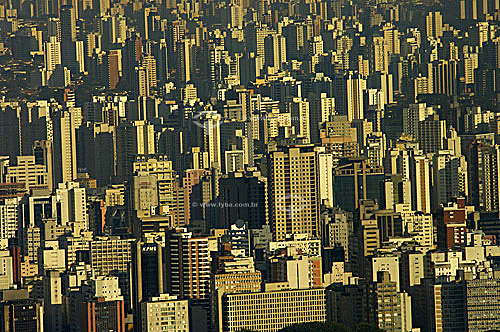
(450, 177)
(149, 273)
(293, 191)
(184, 59)
(420, 174)
(21, 314)
(243, 196)
(483, 170)
(389, 308)
(321, 109)
(52, 54)
(231, 283)
(27, 172)
(132, 139)
(68, 23)
(110, 254)
(348, 93)
(161, 168)
(356, 179)
(434, 24)
(272, 310)
(444, 77)
(451, 222)
(275, 51)
(9, 217)
(65, 123)
(165, 311)
(188, 263)
(325, 178)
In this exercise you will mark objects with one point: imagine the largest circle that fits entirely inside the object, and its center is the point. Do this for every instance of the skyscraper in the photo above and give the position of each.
(293, 191)
(434, 24)
(65, 123)
(348, 93)
(188, 263)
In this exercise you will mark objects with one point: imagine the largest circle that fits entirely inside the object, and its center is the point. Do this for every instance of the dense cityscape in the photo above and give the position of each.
(249, 165)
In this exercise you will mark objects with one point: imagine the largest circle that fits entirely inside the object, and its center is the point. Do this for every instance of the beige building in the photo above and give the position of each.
(28, 172)
(65, 124)
(165, 313)
(229, 283)
(293, 191)
(161, 168)
(272, 311)
(111, 254)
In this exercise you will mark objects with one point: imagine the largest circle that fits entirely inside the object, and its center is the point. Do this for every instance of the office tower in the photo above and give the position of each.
(131, 58)
(381, 58)
(149, 273)
(340, 138)
(108, 254)
(184, 59)
(296, 38)
(337, 226)
(243, 196)
(354, 180)
(434, 24)
(431, 134)
(375, 148)
(166, 311)
(27, 172)
(293, 191)
(114, 63)
(72, 206)
(479, 304)
(149, 64)
(68, 24)
(6, 270)
(321, 109)
(419, 171)
(160, 52)
(450, 177)
(141, 86)
(251, 66)
(132, 138)
(392, 39)
(275, 51)
(418, 225)
(226, 283)
(483, 171)
(161, 168)
(300, 271)
(54, 28)
(65, 123)
(210, 122)
(451, 224)
(348, 93)
(255, 36)
(21, 313)
(52, 54)
(9, 217)
(44, 155)
(98, 303)
(277, 309)
(389, 308)
(53, 300)
(299, 113)
(325, 178)
(188, 260)
(412, 115)
(444, 77)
